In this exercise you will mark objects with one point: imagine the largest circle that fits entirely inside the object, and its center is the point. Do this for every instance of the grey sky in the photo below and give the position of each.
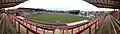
(60, 5)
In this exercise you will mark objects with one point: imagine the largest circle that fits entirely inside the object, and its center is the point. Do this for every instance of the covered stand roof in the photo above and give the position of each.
(115, 4)
(10, 3)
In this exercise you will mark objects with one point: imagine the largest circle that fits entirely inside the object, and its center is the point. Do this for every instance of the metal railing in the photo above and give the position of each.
(116, 25)
(20, 22)
(35, 30)
(92, 25)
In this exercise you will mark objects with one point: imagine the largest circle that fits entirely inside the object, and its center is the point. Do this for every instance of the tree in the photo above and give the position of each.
(74, 12)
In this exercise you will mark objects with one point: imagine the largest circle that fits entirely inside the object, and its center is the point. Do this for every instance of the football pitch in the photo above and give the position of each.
(56, 17)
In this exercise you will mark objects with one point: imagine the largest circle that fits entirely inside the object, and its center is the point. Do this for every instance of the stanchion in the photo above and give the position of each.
(63, 31)
(23, 22)
(95, 27)
(72, 31)
(12, 21)
(43, 31)
(83, 26)
(30, 26)
(78, 29)
(53, 31)
(26, 24)
(27, 31)
(36, 29)
(90, 30)
(60, 30)
(18, 27)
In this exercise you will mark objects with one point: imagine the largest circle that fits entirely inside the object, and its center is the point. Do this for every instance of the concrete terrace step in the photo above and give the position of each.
(107, 26)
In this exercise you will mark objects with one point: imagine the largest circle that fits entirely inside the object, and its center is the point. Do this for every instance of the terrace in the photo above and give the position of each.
(106, 23)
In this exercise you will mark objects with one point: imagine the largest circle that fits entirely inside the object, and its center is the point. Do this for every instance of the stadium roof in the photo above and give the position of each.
(10, 3)
(114, 4)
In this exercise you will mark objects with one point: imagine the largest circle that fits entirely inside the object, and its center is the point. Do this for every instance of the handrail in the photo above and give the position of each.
(41, 26)
(89, 27)
(117, 22)
(19, 21)
(73, 26)
(113, 26)
(46, 27)
(116, 25)
(95, 21)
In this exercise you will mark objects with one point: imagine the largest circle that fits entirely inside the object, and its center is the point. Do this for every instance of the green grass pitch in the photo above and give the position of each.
(55, 17)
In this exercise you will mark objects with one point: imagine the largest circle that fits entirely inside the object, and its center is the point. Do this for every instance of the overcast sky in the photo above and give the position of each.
(60, 5)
